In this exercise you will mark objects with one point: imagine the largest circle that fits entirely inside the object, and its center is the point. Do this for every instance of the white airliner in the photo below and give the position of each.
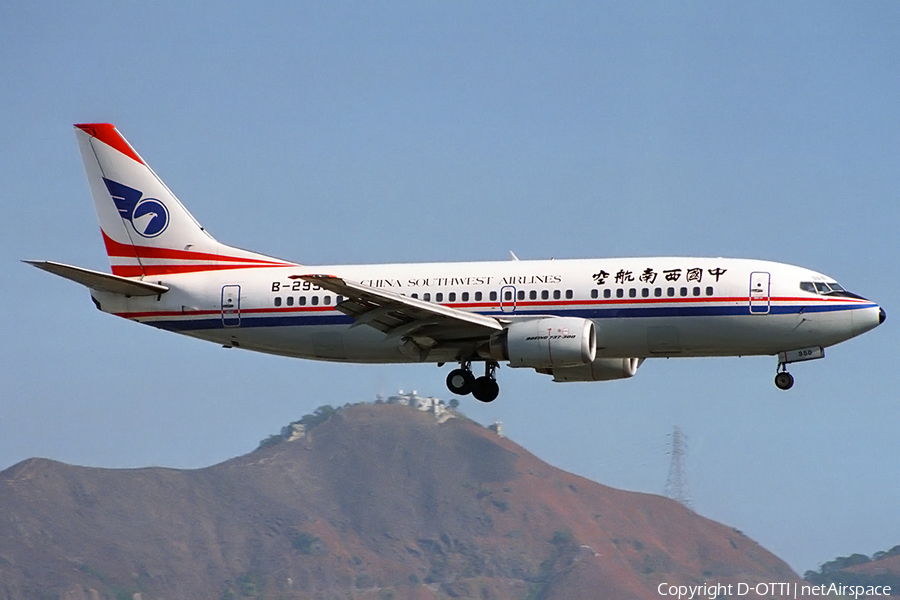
(575, 320)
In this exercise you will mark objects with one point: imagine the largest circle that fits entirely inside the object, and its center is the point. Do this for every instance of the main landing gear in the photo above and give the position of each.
(485, 388)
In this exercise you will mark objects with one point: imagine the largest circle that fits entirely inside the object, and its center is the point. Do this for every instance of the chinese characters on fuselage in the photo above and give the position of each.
(649, 275)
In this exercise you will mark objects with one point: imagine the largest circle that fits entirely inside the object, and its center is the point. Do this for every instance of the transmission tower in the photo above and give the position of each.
(676, 483)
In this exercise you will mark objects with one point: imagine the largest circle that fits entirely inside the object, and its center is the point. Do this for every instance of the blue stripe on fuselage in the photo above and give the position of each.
(620, 312)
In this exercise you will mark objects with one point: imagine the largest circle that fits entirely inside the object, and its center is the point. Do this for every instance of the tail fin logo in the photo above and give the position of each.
(148, 216)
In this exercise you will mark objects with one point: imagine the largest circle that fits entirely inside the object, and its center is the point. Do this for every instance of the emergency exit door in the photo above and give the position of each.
(231, 306)
(759, 292)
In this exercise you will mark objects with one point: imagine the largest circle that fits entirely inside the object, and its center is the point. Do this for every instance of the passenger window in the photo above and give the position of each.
(493, 296)
(607, 293)
(620, 293)
(315, 300)
(556, 294)
(338, 300)
(684, 291)
(326, 300)
(414, 295)
(521, 294)
(696, 291)
(709, 291)
(645, 292)
(595, 293)
(507, 295)
(290, 300)
(569, 294)
(465, 296)
(478, 296)
(439, 297)
(451, 297)
(632, 293)
(426, 296)
(532, 295)
(670, 292)
(657, 292)
(278, 301)
(545, 295)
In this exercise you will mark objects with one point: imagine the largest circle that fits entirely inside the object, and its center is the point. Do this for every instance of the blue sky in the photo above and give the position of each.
(350, 132)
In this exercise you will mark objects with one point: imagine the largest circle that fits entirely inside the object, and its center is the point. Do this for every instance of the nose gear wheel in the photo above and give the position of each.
(784, 380)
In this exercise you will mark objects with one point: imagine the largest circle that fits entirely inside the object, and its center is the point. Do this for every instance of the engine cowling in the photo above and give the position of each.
(547, 343)
(600, 369)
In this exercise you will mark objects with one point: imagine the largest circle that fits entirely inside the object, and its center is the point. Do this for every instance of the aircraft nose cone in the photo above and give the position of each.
(881, 316)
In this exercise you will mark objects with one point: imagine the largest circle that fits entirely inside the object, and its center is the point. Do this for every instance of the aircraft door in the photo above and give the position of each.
(759, 292)
(231, 306)
(507, 298)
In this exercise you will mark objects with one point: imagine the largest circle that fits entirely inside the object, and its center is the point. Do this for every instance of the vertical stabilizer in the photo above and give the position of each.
(147, 231)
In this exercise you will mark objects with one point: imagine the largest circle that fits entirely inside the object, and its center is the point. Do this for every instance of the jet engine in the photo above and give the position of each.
(546, 343)
(600, 369)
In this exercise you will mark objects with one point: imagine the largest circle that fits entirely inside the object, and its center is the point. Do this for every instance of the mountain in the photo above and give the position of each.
(378, 502)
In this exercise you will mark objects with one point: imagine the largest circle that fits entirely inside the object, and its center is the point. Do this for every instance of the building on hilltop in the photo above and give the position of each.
(429, 404)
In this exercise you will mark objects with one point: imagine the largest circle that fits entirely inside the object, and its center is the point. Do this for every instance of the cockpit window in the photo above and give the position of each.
(832, 288)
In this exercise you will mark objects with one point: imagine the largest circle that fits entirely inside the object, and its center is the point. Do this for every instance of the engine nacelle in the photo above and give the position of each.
(547, 343)
(601, 369)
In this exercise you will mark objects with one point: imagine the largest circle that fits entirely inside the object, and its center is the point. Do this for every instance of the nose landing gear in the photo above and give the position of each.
(784, 380)
(485, 388)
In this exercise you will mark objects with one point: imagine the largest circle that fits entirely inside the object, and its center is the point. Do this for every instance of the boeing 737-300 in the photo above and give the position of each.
(574, 320)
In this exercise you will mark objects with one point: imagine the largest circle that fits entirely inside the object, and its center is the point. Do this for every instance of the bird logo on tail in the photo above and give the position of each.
(148, 216)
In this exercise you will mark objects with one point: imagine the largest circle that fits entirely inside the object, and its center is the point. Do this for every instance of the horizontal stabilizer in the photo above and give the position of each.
(103, 282)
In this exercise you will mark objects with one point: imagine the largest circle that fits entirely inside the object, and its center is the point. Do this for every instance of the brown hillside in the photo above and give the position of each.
(378, 502)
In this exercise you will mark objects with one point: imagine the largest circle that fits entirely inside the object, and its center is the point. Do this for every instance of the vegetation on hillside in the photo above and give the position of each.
(326, 411)
(309, 421)
(835, 571)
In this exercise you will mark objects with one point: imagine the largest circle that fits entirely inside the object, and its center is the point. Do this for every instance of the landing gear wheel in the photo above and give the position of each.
(460, 381)
(784, 380)
(486, 389)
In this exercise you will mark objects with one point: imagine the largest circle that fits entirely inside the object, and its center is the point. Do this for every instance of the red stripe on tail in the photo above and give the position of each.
(153, 270)
(117, 249)
(107, 133)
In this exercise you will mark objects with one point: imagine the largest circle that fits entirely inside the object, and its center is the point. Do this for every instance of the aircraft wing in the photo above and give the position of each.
(401, 316)
(103, 282)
